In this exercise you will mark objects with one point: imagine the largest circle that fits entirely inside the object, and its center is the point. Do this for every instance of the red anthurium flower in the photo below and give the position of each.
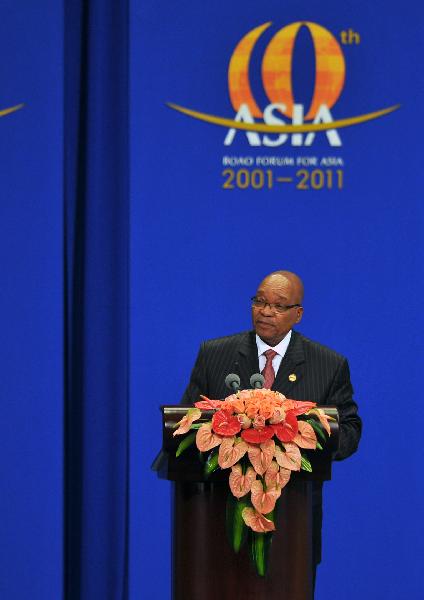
(257, 436)
(241, 484)
(299, 407)
(256, 521)
(231, 450)
(206, 439)
(261, 456)
(207, 404)
(264, 501)
(305, 438)
(223, 423)
(290, 459)
(287, 429)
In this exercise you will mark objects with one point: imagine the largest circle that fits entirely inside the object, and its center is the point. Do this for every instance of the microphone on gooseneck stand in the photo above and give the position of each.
(232, 381)
(257, 381)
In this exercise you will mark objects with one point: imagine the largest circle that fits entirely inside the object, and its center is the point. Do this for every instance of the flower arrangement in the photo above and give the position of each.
(259, 434)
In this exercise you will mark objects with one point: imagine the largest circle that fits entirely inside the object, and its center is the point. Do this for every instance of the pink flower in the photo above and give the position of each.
(264, 501)
(256, 521)
(290, 458)
(261, 456)
(206, 439)
(241, 484)
(306, 437)
(223, 423)
(244, 421)
(184, 425)
(278, 415)
(258, 422)
(231, 450)
(277, 476)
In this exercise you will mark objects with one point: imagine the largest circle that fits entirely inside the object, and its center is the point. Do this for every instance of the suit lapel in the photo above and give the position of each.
(291, 368)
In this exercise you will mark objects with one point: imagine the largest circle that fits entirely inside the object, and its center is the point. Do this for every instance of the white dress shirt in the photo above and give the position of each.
(280, 348)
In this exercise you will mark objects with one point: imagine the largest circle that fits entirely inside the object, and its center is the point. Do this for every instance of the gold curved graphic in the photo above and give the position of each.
(238, 72)
(262, 128)
(11, 109)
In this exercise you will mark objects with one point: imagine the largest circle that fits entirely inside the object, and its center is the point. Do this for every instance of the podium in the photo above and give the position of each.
(205, 567)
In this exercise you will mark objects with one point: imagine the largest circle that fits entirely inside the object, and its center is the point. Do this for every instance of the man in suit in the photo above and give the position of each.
(296, 366)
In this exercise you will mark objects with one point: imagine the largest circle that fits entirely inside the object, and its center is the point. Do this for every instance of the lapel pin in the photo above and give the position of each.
(292, 377)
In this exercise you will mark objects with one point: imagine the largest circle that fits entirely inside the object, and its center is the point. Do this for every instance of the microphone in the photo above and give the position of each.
(232, 381)
(257, 381)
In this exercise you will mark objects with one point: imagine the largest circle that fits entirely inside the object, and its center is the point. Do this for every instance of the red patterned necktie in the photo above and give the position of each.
(268, 371)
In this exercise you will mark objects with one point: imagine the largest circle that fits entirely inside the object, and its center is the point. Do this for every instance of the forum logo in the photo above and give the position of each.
(11, 109)
(283, 119)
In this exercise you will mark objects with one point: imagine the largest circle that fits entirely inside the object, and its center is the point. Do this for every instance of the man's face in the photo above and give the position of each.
(270, 325)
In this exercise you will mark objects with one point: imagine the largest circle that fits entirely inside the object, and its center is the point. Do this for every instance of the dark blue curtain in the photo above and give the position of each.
(96, 289)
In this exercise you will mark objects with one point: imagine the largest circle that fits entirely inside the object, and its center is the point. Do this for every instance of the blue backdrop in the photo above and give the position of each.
(64, 301)
(81, 510)
(96, 300)
(198, 251)
(31, 301)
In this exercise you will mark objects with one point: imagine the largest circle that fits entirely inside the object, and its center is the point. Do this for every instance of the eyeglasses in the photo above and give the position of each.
(278, 308)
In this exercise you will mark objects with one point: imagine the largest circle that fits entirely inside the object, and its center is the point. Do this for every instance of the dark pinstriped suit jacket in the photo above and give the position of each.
(322, 376)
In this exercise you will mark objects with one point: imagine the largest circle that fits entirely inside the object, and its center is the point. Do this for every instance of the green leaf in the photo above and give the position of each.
(318, 428)
(185, 443)
(236, 527)
(212, 463)
(260, 544)
(196, 425)
(305, 464)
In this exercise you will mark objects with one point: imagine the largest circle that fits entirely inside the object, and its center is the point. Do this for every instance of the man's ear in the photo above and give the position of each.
(299, 314)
